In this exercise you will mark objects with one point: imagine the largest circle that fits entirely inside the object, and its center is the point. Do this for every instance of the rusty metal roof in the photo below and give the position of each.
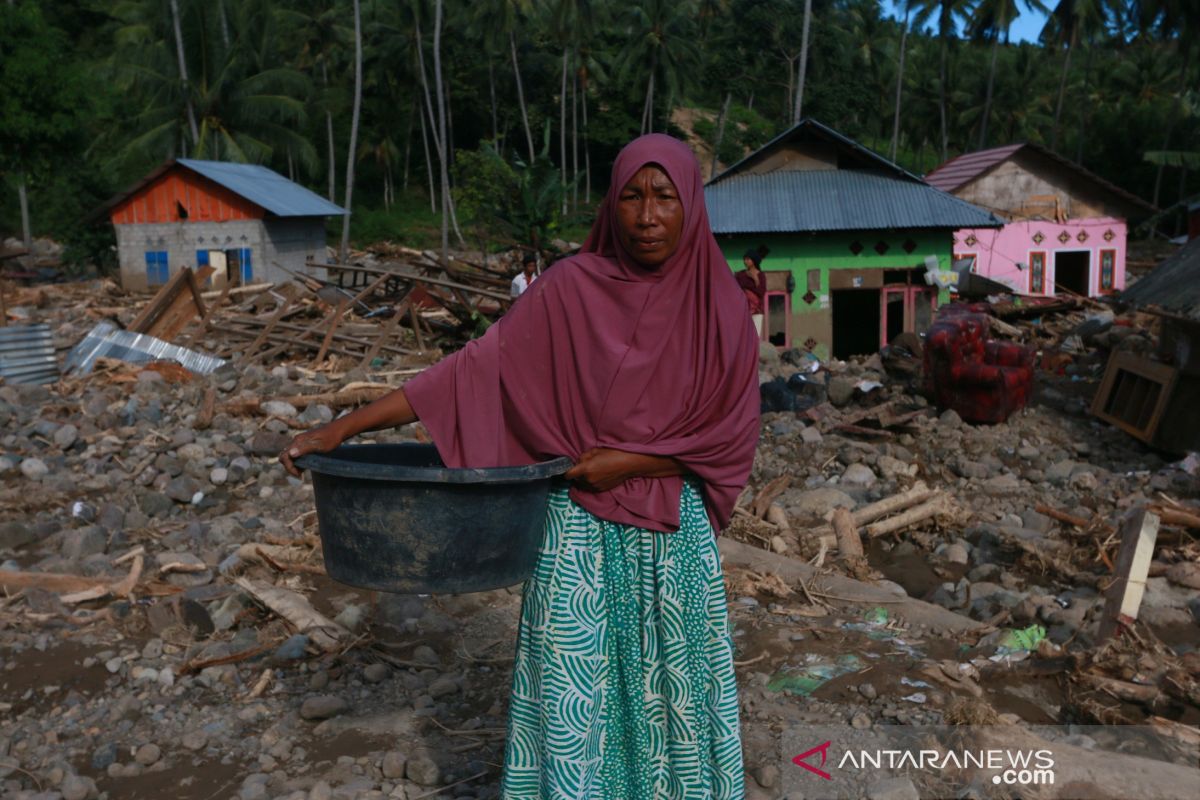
(961, 170)
(1173, 286)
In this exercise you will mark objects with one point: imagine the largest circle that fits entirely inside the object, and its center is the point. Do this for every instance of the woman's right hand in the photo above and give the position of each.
(318, 440)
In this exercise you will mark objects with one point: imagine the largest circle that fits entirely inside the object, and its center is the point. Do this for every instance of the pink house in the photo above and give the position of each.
(1065, 226)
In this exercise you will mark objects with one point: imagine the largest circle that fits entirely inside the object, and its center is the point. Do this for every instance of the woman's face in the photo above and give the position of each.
(649, 217)
(749, 262)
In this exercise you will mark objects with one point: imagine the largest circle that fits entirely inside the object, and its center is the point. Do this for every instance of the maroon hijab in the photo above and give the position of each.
(601, 352)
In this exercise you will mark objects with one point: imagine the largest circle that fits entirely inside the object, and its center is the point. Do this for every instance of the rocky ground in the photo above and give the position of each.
(179, 683)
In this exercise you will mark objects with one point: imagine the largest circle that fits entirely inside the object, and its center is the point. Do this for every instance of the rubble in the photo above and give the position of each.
(165, 619)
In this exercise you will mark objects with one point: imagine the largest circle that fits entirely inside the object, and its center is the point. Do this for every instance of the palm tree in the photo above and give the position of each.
(899, 87)
(496, 21)
(948, 13)
(661, 43)
(992, 20)
(797, 109)
(1068, 22)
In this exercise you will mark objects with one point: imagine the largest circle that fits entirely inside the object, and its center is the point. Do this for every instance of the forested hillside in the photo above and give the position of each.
(533, 98)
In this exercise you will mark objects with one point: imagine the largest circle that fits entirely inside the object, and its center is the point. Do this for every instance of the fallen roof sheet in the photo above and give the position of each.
(27, 354)
(835, 200)
(107, 341)
(1173, 286)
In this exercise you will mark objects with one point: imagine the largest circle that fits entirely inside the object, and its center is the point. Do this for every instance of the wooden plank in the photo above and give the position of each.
(334, 321)
(1138, 532)
(275, 319)
(503, 298)
(389, 330)
(416, 326)
(316, 326)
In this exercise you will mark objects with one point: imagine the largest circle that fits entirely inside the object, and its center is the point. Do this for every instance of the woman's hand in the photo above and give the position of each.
(318, 440)
(603, 468)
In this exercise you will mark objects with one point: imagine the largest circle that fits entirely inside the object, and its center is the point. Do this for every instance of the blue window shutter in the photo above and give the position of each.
(151, 267)
(164, 272)
(247, 266)
(201, 258)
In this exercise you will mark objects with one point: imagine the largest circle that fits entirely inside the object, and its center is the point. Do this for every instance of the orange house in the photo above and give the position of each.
(248, 222)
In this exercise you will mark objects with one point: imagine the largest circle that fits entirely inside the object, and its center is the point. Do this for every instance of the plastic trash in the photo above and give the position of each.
(807, 679)
(1017, 640)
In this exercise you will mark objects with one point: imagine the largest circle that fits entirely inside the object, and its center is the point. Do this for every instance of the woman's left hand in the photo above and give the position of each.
(603, 468)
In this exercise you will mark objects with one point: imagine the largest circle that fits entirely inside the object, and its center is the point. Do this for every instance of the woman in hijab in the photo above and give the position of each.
(637, 359)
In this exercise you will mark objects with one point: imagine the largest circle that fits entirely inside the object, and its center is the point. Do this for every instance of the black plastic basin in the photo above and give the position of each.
(394, 518)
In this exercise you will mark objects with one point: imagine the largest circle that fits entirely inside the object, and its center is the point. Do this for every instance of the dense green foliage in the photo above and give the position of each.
(93, 94)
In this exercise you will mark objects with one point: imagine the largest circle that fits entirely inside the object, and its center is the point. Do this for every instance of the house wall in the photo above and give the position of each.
(293, 241)
(831, 257)
(1015, 189)
(181, 195)
(999, 252)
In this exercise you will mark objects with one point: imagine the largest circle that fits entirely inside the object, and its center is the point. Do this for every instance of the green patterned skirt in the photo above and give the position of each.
(623, 686)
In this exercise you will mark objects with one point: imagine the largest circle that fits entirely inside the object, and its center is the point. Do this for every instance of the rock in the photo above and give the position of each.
(1002, 485)
(147, 754)
(265, 443)
(425, 655)
(1185, 573)
(423, 770)
(1084, 482)
(1060, 471)
(858, 475)
(841, 389)
(218, 476)
(818, 502)
(443, 687)
(320, 791)
(965, 468)
(868, 691)
(291, 650)
(1035, 521)
(156, 504)
(951, 595)
(810, 435)
(278, 408)
(323, 706)
(34, 468)
(254, 787)
(956, 554)
(351, 617)
(83, 542)
(66, 436)
(74, 787)
(194, 740)
(393, 765)
(376, 673)
(950, 419)
(182, 489)
(104, 755)
(202, 576)
(14, 535)
(767, 776)
(893, 789)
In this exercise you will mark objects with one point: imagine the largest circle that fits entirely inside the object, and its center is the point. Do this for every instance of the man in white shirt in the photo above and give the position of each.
(526, 276)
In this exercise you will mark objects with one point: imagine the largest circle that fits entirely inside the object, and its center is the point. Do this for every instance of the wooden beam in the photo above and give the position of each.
(1138, 532)
(389, 330)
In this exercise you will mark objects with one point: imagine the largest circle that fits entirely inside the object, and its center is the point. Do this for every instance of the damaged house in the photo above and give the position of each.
(1065, 227)
(851, 238)
(249, 223)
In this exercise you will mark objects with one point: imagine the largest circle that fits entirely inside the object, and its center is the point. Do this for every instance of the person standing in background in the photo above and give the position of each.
(525, 277)
(753, 283)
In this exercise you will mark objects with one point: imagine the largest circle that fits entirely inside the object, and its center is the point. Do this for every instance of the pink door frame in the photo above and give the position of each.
(787, 317)
(912, 295)
(1092, 282)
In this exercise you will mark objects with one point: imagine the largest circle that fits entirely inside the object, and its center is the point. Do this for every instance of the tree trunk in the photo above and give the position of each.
(23, 200)
(1083, 107)
(798, 108)
(575, 143)
(445, 172)
(408, 147)
(492, 93)
(224, 23)
(562, 132)
(344, 253)
(183, 73)
(291, 166)
(587, 155)
(712, 173)
(512, 45)
(899, 87)
(942, 95)
(1062, 92)
(987, 102)
(1174, 118)
(428, 165)
(790, 102)
(648, 106)
(1181, 219)
(331, 157)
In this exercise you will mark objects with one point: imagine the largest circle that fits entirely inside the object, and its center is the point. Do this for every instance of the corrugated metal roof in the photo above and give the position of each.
(27, 354)
(265, 187)
(834, 200)
(107, 341)
(962, 169)
(1174, 285)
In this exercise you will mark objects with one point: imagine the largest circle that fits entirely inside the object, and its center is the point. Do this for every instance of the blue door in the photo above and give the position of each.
(157, 271)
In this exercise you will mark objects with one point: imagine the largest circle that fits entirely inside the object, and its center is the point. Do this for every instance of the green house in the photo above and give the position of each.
(851, 235)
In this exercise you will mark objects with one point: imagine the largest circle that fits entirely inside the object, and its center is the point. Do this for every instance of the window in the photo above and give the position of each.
(157, 271)
(247, 265)
(1037, 273)
(239, 266)
(1108, 265)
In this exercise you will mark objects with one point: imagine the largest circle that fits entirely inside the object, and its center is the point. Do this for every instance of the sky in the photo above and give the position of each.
(1025, 29)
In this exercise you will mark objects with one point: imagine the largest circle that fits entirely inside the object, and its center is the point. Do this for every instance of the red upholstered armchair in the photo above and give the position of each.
(984, 381)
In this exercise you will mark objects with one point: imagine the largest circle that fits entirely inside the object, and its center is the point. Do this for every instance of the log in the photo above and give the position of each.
(912, 516)
(293, 607)
(919, 493)
(1175, 516)
(1062, 516)
(762, 501)
(1122, 690)
(848, 542)
(50, 581)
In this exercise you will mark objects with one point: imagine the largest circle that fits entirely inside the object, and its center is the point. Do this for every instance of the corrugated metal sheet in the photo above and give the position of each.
(834, 200)
(108, 341)
(27, 354)
(1174, 285)
(962, 169)
(265, 188)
